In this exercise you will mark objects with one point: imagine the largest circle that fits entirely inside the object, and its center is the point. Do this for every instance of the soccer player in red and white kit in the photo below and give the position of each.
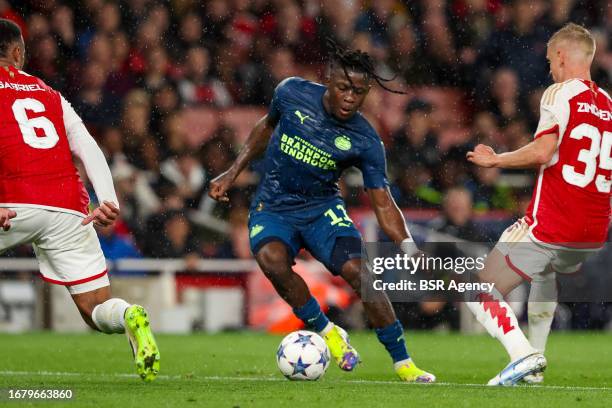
(569, 214)
(43, 201)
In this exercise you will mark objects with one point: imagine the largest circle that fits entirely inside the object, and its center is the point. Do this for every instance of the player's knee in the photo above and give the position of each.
(274, 260)
(351, 272)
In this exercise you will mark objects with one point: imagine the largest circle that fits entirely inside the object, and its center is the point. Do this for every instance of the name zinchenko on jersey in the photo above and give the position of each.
(20, 87)
(590, 108)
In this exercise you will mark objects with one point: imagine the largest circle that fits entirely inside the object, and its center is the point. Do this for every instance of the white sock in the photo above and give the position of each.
(541, 310)
(499, 320)
(326, 329)
(108, 316)
(398, 364)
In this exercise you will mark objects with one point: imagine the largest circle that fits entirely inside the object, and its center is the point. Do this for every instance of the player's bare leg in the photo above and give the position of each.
(112, 315)
(382, 317)
(499, 320)
(273, 258)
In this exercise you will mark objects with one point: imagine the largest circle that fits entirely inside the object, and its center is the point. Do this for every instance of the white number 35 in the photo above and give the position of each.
(601, 146)
(28, 126)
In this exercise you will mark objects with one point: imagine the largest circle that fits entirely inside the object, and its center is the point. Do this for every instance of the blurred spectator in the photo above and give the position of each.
(457, 216)
(452, 170)
(175, 238)
(237, 246)
(505, 100)
(217, 14)
(218, 152)
(291, 28)
(115, 246)
(183, 174)
(488, 192)
(137, 199)
(523, 39)
(95, 106)
(189, 35)
(516, 134)
(63, 31)
(413, 187)
(166, 102)
(139, 146)
(415, 142)
(198, 86)
(377, 20)
(45, 62)
(485, 130)
(280, 65)
(407, 57)
(155, 75)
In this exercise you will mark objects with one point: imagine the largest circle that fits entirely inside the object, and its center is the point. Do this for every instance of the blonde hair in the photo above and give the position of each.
(575, 34)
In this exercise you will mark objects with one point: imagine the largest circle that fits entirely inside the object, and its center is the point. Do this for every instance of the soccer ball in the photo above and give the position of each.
(303, 355)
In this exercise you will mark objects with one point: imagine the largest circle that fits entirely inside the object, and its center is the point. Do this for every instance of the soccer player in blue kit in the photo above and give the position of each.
(311, 133)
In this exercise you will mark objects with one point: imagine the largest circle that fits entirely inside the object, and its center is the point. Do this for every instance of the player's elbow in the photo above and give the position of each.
(543, 156)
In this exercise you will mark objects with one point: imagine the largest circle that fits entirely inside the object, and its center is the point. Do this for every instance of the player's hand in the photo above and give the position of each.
(103, 216)
(5, 218)
(220, 185)
(483, 156)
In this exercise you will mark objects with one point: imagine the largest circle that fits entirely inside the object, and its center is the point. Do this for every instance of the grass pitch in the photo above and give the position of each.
(239, 370)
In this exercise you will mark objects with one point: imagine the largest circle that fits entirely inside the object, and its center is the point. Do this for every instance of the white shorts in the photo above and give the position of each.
(529, 258)
(68, 253)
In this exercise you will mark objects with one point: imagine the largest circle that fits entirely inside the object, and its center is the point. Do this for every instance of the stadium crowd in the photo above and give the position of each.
(170, 89)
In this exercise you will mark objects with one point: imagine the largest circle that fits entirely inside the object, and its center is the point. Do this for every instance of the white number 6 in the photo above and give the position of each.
(28, 126)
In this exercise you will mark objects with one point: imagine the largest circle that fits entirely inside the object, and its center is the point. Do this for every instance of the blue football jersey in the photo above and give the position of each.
(309, 149)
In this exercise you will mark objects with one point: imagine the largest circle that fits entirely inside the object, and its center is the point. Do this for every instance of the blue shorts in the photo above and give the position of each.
(316, 231)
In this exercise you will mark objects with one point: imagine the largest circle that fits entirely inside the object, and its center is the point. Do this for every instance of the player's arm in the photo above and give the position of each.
(390, 218)
(554, 114)
(256, 143)
(254, 147)
(388, 214)
(83, 145)
(536, 153)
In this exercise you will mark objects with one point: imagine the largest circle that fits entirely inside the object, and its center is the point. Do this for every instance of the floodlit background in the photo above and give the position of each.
(171, 89)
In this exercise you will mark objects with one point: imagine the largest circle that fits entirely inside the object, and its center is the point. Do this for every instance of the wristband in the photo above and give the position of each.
(409, 246)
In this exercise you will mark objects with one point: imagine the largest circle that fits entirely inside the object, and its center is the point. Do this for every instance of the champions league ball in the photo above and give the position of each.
(303, 355)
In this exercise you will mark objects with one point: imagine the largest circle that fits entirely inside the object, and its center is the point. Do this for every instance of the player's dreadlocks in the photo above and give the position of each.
(359, 61)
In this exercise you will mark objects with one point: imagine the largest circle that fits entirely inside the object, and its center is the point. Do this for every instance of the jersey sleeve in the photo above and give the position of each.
(554, 111)
(373, 166)
(279, 98)
(83, 145)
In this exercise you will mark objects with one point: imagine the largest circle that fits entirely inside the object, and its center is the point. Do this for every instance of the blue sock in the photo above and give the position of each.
(311, 315)
(392, 337)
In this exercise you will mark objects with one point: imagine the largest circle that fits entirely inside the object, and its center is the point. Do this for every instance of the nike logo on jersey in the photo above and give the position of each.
(302, 117)
(590, 108)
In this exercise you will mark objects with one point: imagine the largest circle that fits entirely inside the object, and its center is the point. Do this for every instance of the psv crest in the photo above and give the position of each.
(343, 143)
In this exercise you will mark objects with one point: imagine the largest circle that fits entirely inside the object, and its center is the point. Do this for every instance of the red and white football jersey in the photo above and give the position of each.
(36, 167)
(571, 201)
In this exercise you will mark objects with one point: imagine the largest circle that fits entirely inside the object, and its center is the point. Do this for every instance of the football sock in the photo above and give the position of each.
(312, 316)
(109, 316)
(541, 310)
(392, 337)
(498, 318)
